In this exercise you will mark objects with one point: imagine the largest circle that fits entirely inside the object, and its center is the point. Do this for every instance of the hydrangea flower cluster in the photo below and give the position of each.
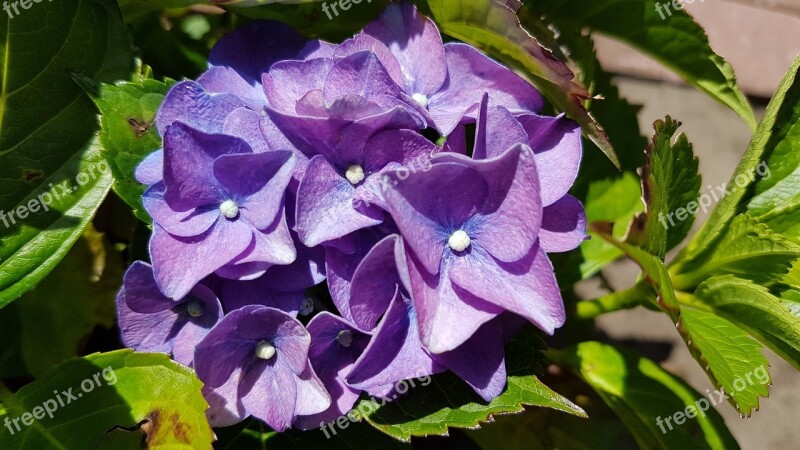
(292, 164)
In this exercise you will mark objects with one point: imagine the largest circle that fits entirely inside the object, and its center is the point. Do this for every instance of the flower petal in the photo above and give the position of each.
(527, 287)
(480, 361)
(447, 317)
(180, 263)
(417, 45)
(395, 352)
(325, 206)
(188, 102)
(188, 166)
(563, 225)
(556, 141)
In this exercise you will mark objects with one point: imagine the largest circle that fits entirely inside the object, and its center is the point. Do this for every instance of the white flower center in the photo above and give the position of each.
(265, 350)
(422, 99)
(307, 306)
(345, 338)
(354, 174)
(459, 241)
(229, 209)
(195, 308)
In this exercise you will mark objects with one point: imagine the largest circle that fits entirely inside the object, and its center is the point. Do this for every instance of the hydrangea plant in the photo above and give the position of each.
(368, 229)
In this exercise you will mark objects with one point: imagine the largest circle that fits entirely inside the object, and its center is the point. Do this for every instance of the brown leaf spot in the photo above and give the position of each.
(139, 127)
(164, 429)
(31, 175)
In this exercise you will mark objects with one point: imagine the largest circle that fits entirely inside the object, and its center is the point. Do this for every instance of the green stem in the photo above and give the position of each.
(625, 299)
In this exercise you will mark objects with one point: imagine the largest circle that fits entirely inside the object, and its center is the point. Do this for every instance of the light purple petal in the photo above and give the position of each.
(375, 283)
(365, 42)
(178, 223)
(253, 48)
(497, 131)
(288, 81)
(480, 361)
(188, 166)
(271, 395)
(224, 407)
(395, 353)
(527, 287)
(312, 398)
(447, 317)
(417, 45)
(257, 182)
(470, 75)
(187, 102)
(222, 79)
(362, 74)
(151, 170)
(563, 225)
(325, 206)
(180, 263)
(557, 144)
(245, 124)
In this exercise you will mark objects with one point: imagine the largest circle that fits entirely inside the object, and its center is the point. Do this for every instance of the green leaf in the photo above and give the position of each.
(609, 200)
(755, 309)
(655, 272)
(675, 40)
(670, 184)
(448, 402)
(127, 390)
(253, 434)
(747, 249)
(494, 27)
(44, 143)
(55, 327)
(308, 18)
(731, 358)
(780, 118)
(644, 396)
(128, 134)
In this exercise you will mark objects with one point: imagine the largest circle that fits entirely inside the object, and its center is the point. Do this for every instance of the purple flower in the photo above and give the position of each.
(151, 322)
(471, 229)
(395, 352)
(556, 143)
(342, 190)
(219, 210)
(335, 346)
(447, 80)
(262, 354)
(318, 102)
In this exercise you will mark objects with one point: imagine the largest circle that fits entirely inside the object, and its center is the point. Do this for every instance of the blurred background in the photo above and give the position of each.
(760, 39)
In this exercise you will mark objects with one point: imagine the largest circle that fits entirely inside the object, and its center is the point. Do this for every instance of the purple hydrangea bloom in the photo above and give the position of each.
(151, 322)
(261, 354)
(447, 80)
(473, 248)
(219, 210)
(290, 162)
